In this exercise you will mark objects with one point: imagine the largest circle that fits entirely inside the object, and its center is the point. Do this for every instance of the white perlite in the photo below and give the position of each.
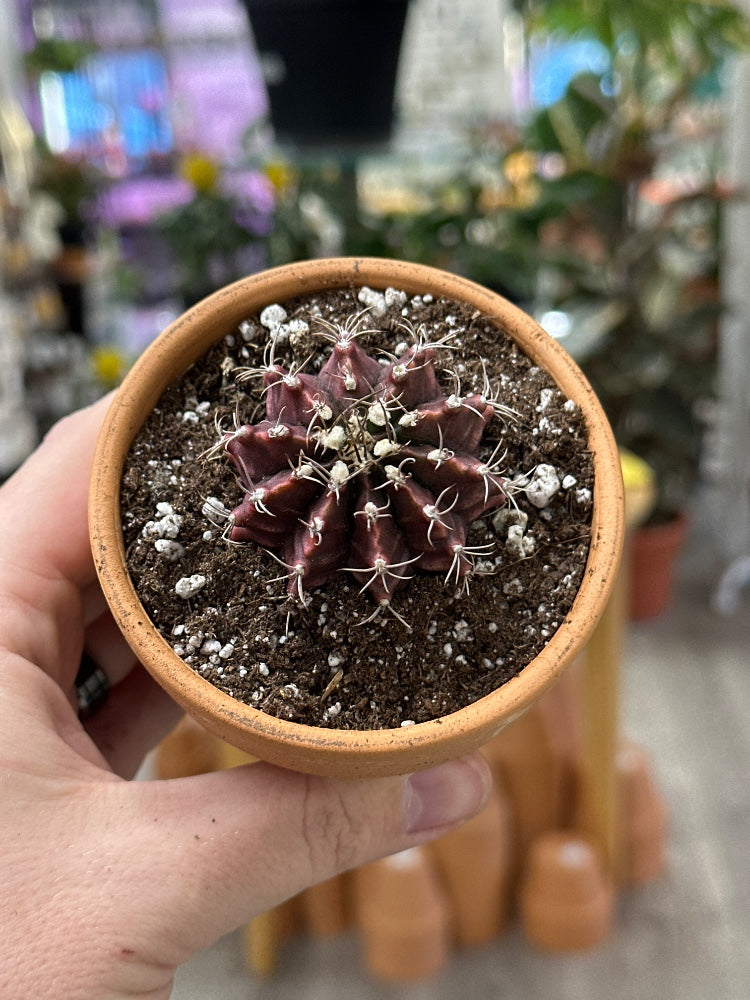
(169, 548)
(167, 524)
(187, 586)
(372, 300)
(543, 485)
(215, 512)
(518, 544)
(273, 316)
(379, 302)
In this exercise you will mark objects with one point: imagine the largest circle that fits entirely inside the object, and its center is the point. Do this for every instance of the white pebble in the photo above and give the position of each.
(375, 301)
(273, 316)
(544, 484)
(169, 549)
(187, 586)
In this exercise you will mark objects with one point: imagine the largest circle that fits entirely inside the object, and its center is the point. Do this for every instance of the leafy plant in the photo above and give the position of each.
(71, 181)
(627, 219)
(57, 55)
(214, 234)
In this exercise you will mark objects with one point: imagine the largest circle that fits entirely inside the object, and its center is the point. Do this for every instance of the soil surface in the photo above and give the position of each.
(224, 607)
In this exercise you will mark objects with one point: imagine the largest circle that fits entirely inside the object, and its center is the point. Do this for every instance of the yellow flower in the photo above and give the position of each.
(109, 365)
(200, 171)
(280, 174)
(520, 166)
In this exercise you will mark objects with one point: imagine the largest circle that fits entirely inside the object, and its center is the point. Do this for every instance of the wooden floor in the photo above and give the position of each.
(686, 697)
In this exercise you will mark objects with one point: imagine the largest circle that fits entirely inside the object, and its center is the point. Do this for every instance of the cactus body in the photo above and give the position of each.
(363, 467)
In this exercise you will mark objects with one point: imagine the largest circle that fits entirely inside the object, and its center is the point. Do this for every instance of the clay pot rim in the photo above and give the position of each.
(350, 753)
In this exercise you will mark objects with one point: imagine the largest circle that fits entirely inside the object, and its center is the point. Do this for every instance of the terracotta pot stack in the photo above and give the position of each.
(566, 898)
(404, 917)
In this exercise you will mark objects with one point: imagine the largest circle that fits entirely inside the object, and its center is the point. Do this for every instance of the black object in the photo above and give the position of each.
(92, 687)
(330, 67)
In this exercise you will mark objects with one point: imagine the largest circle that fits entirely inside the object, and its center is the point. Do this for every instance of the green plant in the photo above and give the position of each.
(71, 181)
(213, 233)
(627, 217)
(57, 55)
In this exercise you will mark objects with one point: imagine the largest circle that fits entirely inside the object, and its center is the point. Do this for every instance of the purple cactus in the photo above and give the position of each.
(364, 467)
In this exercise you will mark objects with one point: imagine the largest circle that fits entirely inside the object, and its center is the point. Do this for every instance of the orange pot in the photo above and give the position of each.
(403, 916)
(654, 550)
(642, 822)
(475, 863)
(566, 900)
(308, 748)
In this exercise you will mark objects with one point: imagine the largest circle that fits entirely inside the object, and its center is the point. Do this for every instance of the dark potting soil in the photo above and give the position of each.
(224, 607)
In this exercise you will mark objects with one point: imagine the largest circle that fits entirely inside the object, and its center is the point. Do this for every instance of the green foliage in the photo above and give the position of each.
(629, 233)
(212, 239)
(70, 180)
(56, 55)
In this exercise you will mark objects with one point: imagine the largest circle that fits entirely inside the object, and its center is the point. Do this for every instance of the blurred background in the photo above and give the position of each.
(589, 160)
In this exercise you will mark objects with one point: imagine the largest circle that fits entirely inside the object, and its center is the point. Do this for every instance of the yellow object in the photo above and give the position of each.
(109, 365)
(281, 175)
(640, 488)
(200, 171)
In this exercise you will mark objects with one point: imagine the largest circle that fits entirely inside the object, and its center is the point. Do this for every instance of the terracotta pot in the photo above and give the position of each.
(527, 763)
(566, 900)
(475, 863)
(654, 550)
(642, 818)
(308, 748)
(324, 908)
(403, 916)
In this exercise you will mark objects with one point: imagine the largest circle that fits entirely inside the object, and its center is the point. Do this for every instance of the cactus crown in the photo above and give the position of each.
(364, 466)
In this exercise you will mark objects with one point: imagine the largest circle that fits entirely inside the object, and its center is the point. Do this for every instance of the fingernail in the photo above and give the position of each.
(446, 795)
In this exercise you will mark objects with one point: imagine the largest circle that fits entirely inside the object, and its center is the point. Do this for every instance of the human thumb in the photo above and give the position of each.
(209, 852)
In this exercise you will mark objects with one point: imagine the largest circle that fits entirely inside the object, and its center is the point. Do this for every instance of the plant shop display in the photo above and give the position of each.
(356, 514)
(627, 170)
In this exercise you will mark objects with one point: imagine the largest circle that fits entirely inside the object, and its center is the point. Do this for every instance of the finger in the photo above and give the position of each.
(45, 557)
(136, 716)
(228, 845)
(94, 602)
(45, 502)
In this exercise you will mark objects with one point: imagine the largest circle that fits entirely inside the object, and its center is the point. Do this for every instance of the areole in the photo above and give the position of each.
(343, 753)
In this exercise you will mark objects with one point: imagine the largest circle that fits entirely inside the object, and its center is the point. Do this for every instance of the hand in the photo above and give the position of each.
(107, 885)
